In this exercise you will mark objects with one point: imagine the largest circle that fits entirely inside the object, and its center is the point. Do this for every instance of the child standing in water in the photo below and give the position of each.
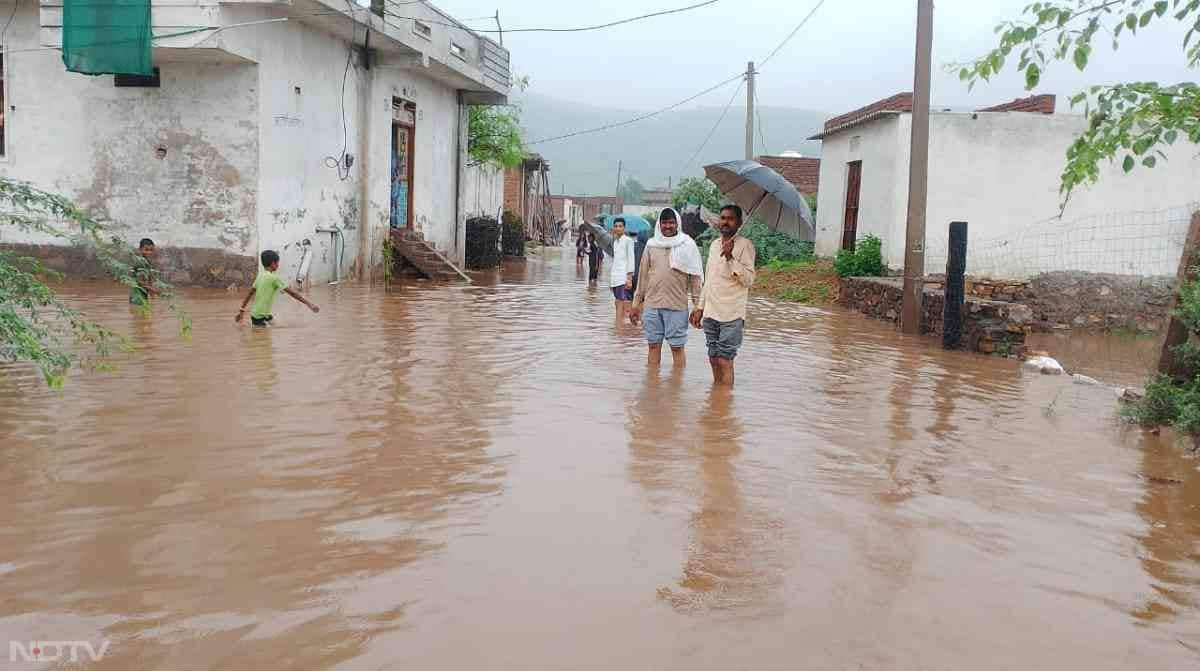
(143, 274)
(266, 287)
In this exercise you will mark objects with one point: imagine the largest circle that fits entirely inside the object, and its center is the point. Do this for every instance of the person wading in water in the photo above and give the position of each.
(722, 309)
(671, 271)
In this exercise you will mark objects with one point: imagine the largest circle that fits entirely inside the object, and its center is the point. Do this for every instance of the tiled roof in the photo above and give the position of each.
(803, 173)
(901, 102)
(1043, 104)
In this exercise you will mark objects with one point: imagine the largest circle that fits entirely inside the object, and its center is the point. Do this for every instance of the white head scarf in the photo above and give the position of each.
(685, 255)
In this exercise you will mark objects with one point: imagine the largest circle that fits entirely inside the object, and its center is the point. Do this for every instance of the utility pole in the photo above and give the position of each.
(617, 193)
(918, 176)
(750, 111)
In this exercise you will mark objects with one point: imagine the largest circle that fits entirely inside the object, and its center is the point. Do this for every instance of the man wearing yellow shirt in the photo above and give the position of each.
(728, 278)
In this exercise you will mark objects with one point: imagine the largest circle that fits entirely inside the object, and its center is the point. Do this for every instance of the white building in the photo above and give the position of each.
(261, 133)
(999, 170)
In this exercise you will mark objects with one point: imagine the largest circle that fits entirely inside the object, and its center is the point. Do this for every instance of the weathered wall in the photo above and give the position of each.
(484, 191)
(880, 146)
(989, 327)
(1000, 171)
(248, 145)
(84, 138)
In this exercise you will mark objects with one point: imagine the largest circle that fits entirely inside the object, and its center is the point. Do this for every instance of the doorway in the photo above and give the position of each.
(404, 125)
(853, 193)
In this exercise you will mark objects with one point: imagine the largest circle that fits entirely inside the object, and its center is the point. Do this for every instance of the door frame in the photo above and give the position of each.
(404, 122)
(853, 205)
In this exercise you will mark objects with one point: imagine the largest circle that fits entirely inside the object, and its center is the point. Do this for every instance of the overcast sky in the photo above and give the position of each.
(849, 54)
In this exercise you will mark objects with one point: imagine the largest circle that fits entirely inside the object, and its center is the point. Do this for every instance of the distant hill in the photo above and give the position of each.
(654, 149)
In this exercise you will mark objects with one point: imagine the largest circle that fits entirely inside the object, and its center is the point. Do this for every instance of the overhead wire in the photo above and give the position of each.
(719, 85)
(600, 26)
(340, 163)
(642, 117)
(713, 131)
(761, 133)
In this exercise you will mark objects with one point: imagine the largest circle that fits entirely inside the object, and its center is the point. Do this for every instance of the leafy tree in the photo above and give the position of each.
(494, 136)
(36, 326)
(631, 191)
(698, 190)
(1130, 122)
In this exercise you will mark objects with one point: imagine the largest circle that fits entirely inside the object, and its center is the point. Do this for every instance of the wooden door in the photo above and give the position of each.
(853, 193)
(403, 135)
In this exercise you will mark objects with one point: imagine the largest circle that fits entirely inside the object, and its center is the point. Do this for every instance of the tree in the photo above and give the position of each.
(36, 326)
(631, 191)
(1130, 122)
(494, 136)
(697, 190)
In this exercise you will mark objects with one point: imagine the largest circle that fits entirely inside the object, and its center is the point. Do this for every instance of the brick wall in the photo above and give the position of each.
(514, 191)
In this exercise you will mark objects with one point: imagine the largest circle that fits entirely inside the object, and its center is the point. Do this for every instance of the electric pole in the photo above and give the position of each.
(918, 176)
(620, 165)
(750, 111)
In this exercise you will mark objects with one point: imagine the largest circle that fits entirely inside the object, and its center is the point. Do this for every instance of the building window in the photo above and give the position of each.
(423, 29)
(138, 81)
(458, 50)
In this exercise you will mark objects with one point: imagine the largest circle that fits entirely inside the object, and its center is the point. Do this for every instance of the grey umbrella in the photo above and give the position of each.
(764, 193)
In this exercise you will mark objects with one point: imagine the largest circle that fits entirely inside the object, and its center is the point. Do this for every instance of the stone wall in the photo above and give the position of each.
(1095, 301)
(1080, 300)
(179, 266)
(989, 327)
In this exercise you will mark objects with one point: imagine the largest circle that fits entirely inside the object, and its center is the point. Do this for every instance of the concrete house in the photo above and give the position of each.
(310, 127)
(999, 170)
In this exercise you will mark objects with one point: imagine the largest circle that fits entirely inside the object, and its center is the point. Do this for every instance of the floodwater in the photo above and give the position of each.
(486, 477)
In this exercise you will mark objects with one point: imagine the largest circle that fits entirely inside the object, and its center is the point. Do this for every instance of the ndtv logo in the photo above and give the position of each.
(56, 651)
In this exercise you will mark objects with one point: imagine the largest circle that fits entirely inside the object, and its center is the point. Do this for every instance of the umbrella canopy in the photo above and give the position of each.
(762, 192)
(634, 223)
(603, 237)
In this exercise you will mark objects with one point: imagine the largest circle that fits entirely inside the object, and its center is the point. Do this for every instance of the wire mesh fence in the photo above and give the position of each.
(1137, 243)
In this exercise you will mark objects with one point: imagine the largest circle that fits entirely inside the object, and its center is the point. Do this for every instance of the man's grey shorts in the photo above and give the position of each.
(665, 324)
(723, 338)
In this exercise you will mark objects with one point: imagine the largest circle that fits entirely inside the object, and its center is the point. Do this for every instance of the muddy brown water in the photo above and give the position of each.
(486, 477)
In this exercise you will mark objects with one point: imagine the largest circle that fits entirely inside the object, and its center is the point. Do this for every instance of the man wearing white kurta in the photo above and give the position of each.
(623, 266)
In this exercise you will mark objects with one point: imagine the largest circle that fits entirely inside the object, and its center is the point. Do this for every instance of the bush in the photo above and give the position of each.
(1175, 400)
(514, 235)
(771, 246)
(865, 260)
(483, 243)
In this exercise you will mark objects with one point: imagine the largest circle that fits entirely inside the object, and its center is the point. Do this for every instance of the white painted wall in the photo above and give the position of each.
(484, 191)
(249, 129)
(1000, 172)
(84, 138)
(884, 191)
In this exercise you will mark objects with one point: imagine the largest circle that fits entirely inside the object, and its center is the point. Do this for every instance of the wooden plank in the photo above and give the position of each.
(1177, 332)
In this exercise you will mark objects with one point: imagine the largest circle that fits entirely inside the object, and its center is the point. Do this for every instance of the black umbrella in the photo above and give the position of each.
(762, 192)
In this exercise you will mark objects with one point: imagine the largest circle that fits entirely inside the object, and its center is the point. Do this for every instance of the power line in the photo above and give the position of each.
(792, 34)
(638, 118)
(758, 113)
(578, 29)
(714, 129)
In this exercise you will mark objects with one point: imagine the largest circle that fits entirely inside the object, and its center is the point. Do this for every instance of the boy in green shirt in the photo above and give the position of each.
(266, 287)
(143, 273)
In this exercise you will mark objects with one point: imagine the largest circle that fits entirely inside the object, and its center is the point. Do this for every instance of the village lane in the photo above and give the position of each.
(487, 477)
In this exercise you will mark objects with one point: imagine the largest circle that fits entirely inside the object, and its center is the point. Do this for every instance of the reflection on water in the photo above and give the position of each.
(489, 477)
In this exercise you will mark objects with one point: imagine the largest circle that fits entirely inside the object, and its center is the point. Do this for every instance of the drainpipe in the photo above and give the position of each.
(460, 207)
(366, 245)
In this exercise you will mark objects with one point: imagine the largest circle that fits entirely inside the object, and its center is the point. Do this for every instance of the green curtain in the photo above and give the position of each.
(107, 37)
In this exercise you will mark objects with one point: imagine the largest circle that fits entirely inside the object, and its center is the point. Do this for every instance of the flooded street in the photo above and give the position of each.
(486, 477)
